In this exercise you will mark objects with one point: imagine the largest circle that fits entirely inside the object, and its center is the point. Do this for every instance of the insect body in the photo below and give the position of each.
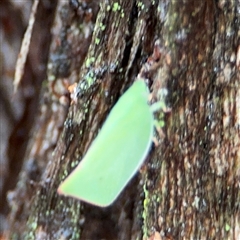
(117, 152)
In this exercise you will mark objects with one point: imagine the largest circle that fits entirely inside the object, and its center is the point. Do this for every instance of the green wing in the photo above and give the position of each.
(117, 152)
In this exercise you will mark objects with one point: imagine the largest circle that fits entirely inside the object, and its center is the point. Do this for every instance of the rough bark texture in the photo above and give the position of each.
(188, 187)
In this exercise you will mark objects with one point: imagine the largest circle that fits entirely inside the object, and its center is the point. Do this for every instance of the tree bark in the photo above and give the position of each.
(188, 187)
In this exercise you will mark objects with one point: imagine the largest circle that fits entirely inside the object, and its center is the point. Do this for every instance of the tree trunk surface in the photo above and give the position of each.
(188, 187)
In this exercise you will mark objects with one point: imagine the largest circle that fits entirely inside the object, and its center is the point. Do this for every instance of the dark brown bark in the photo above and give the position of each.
(189, 185)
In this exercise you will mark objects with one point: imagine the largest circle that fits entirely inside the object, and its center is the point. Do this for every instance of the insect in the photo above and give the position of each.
(117, 152)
